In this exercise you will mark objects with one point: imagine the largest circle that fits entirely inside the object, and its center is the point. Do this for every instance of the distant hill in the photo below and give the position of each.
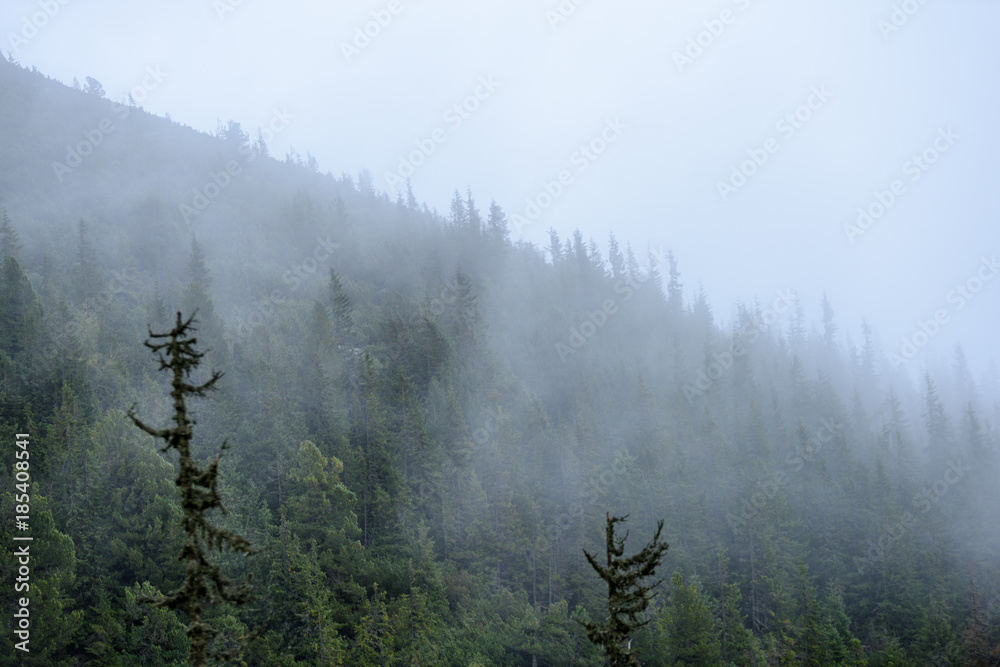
(429, 421)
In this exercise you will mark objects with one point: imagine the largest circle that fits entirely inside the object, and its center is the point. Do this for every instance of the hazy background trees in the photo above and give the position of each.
(429, 422)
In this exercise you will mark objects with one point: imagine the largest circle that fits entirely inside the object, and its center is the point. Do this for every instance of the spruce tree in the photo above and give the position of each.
(555, 245)
(343, 319)
(197, 265)
(628, 592)
(692, 634)
(199, 495)
(496, 224)
(459, 216)
(474, 220)
(87, 274)
(675, 290)
(10, 241)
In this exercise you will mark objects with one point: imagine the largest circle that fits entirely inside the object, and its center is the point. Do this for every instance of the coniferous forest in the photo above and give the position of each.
(427, 425)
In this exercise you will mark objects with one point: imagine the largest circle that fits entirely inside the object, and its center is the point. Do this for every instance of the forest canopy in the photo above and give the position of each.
(428, 424)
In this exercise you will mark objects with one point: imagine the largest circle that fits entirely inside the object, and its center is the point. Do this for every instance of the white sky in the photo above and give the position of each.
(657, 182)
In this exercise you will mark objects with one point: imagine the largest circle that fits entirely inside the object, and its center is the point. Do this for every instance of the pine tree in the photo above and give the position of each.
(411, 199)
(675, 290)
(615, 258)
(691, 634)
(555, 246)
(496, 224)
(594, 256)
(938, 430)
(199, 495)
(736, 643)
(632, 265)
(459, 216)
(197, 266)
(579, 251)
(87, 273)
(156, 308)
(868, 367)
(813, 650)
(343, 318)
(474, 220)
(965, 389)
(262, 144)
(21, 314)
(315, 387)
(829, 325)
(320, 509)
(654, 272)
(628, 593)
(10, 241)
(374, 642)
(797, 326)
(366, 186)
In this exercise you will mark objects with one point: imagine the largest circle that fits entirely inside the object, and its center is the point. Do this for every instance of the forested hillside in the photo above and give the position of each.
(428, 422)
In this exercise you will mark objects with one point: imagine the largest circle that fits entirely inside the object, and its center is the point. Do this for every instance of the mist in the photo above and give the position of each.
(480, 276)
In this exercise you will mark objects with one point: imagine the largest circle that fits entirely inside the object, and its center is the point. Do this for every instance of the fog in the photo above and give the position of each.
(482, 276)
(561, 75)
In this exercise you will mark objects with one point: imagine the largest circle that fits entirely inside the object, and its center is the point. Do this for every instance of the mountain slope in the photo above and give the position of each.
(446, 419)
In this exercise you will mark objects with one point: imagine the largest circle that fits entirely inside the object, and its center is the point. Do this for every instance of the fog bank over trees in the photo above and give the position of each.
(429, 420)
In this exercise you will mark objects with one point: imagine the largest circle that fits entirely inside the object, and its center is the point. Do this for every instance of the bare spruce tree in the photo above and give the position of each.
(628, 593)
(199, 495)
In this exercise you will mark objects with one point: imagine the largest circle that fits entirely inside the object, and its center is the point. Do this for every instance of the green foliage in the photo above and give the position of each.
(629, 593)
(127, 518)
(374, 644)
(199, 495)
(10, 240)
(420, 462)
(20, 311)
(51, 558)
(690, 633)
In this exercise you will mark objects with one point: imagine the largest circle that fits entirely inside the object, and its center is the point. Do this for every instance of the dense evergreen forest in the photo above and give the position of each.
(427, 424)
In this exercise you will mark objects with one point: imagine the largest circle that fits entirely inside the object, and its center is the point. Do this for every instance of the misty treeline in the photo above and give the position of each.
(429, 422)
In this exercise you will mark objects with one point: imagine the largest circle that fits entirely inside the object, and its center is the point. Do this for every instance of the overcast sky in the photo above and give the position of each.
(666, 120)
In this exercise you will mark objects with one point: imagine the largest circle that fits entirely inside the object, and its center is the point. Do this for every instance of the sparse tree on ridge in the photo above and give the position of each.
(199, 495)
(628, 593)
